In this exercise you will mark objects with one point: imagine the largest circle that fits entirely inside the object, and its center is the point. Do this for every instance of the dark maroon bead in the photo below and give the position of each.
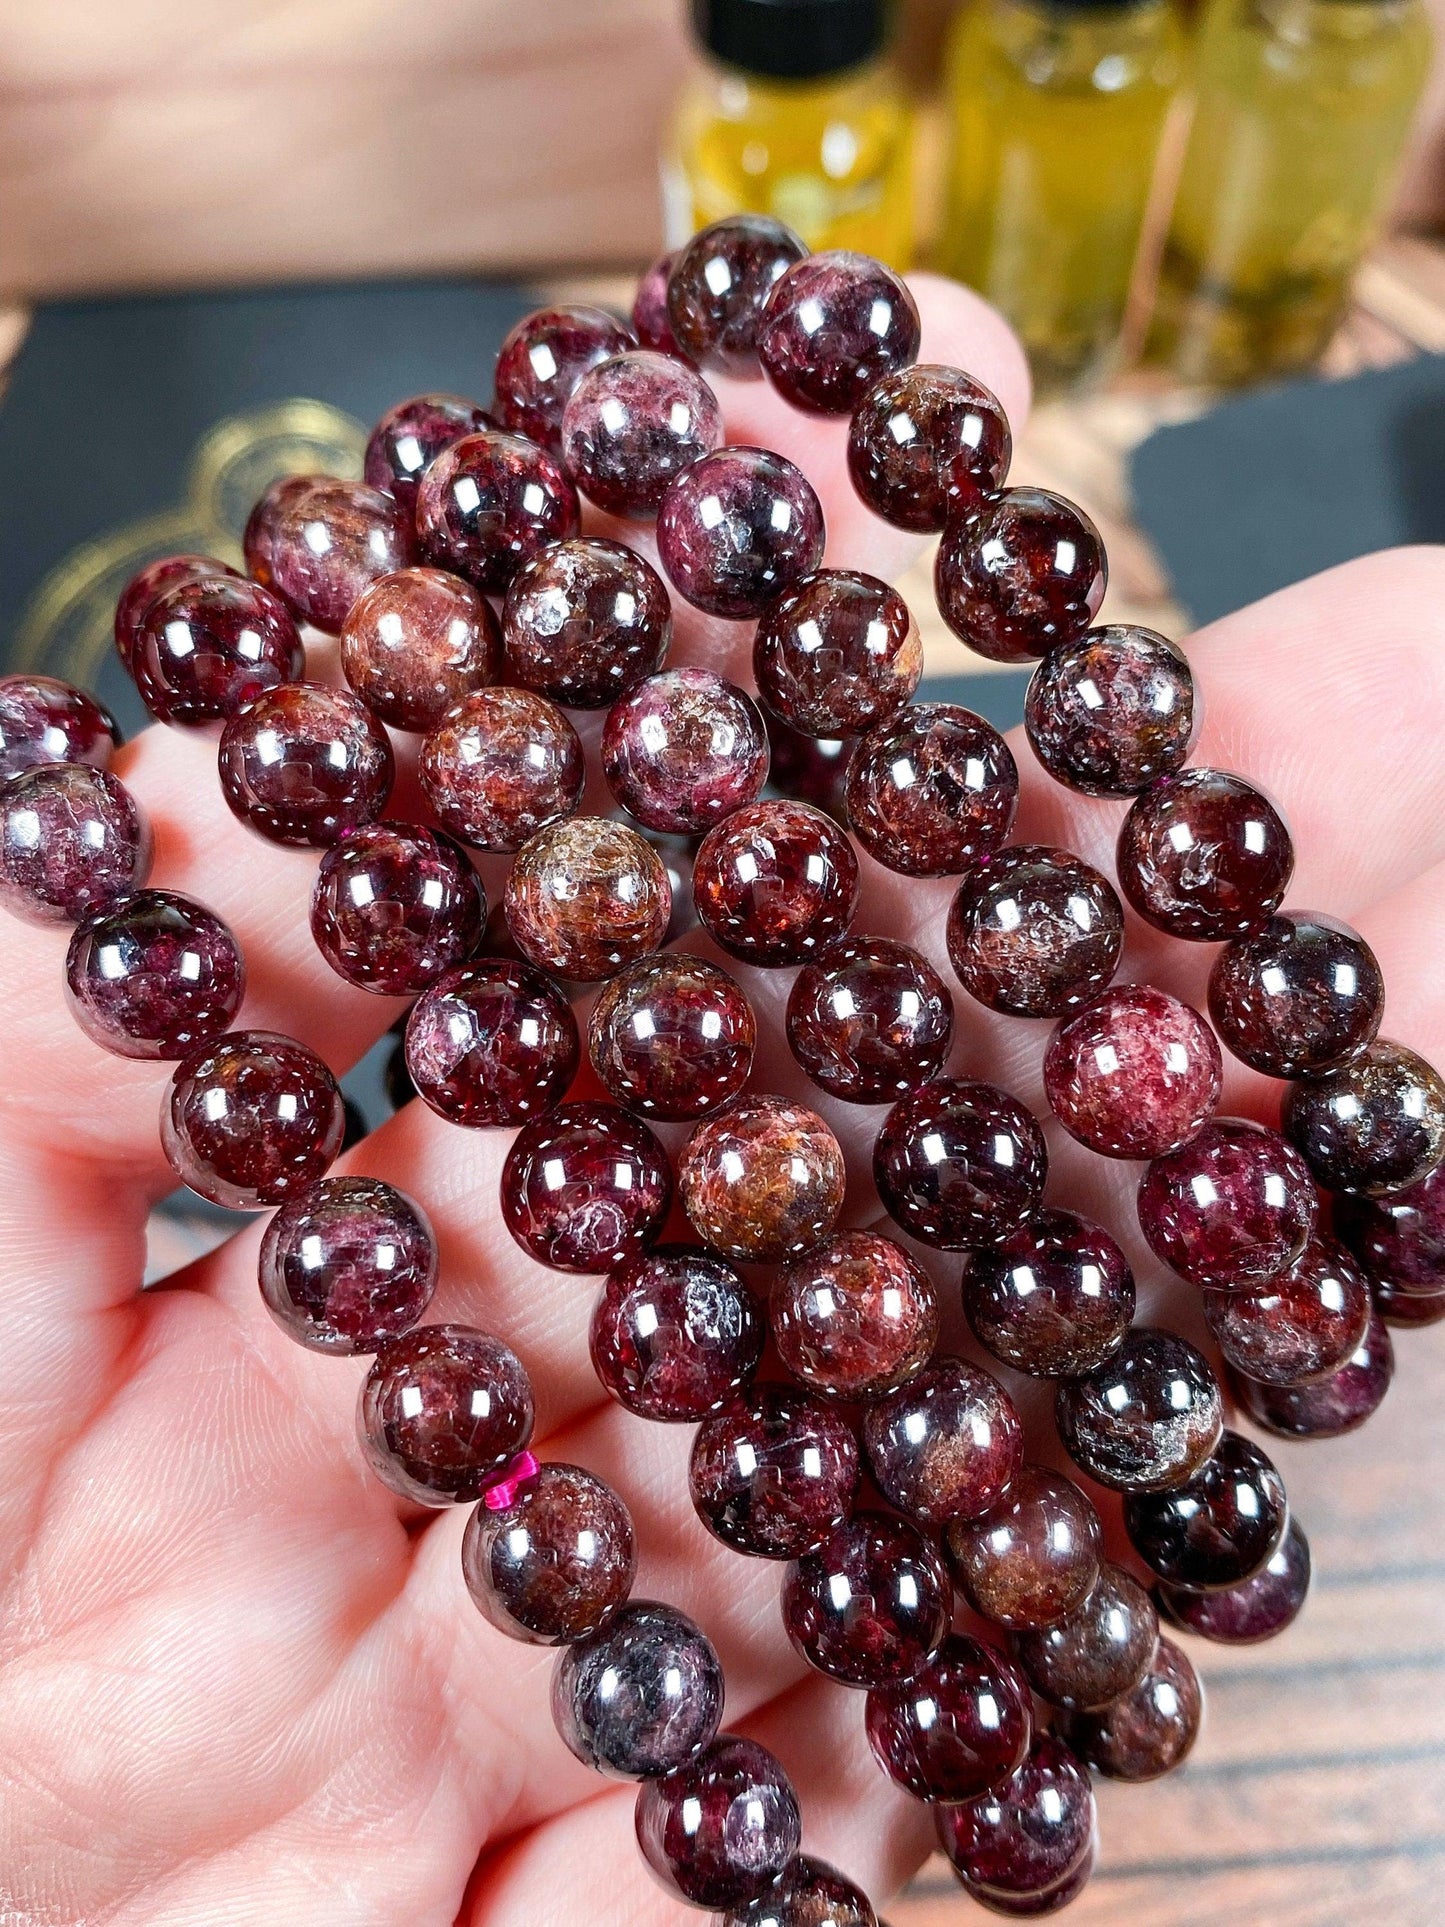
(1033, 1557)
(442, 1411)
(837, 653)
(719, 1830)
(1407, 1309)
(417, 642)
(1032, 1906)
(555, 1561)
(1372, 1126)
(1020, 572)
(926, 442)
(541, 361)
(1254, 1609)
(871, 1604)
(586, 896)
(489, 503)
(1026, 1835)
(501, 766)
(45, 721)
(854, 1318)
(684, 750)
(1328, 1407)
(649, 308)
(1231, 1209)
(1108, 714)
(1034, 931)
(870, 1019)
(1400, 1239)
(960, 1163)
(1302, 1325)
(167, 572)
(932, 792)
(1147, 1732)
(774, 1473)
(410, 436)
(763, 1180)
(719, 285)
(672, 1037)
(71, 843)
(1053, 1298)
(1204, 855)
(491, 1042)
(1096, 1652)
(675, 1334)
(395, 904)
(737, 528)
(775, 882)
(251, 1119)
(809, 769)
(833, 325)
(640, 1697)
(961, 1725)
(348, 1265)
(305, 764)
(154, 975)
(1134, 1074)
(1302, 995)
(632, 424)
(209, 645)
(809, 1893)
(1217, 1528)
(1147, 1418)
(584, 622)
(946, 1444)
(585, 1187)
(317, 542)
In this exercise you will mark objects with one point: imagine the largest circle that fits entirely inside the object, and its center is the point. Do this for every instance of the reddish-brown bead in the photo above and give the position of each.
(719, 285)
(775, 882)
(959, 1163)
(737, 528)
(394, 905)
(491, 1042)
(251, 1119)
(869, 1019)
(1204, 855)
(961, 1725)
(632, 424)
(417, 642)
(43, 720)
(762, 1181)
(1302, 1325)
(542, 359)
(489, 503)
(443, 1410)
(501, 766)
(721, 1829)
(1146, 1732)
(1134, 1074)
(672, 1037)
(684, 750)
(837, 653)
(932, 792)
(1108, 714)
(409, 437)
(1372, 1126)
(1303, 995)
(1231, 1209)
(1020, 572)
(348, 1265)
(586, 896)
(317, 542)
(72, 843)
(833, 325)
(1147, 1418)
(1097, 1651)
(208, 645)
(1400, 1239)
(1033, 1556)
(305, 764)
(1024, 1842)
(925, 443)
(946, 1444)
(854, 1318)
(1217, 1528)
(167, 572)
(154, 975)
(585, 1187)
(774, 1473)
(584, 621)
(675, 1334)
(871, 1604)
(554, 1563)
(1327, 1407)
(1034, 931)
(1053, 1298)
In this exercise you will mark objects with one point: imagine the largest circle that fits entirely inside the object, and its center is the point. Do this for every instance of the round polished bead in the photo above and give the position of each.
(774, 1473)
(348, 1265)
(1134, 1074)
(1204, 855)
(808, 1893)
(1020, 572)
(1111, 712)
(251, 1119)
(675, 1334)
(305, 764)
(1303, 1324)
(442, 1411)
(1053, 1298)
(959, 1163)
(926, 442)
(586, 896)
(555, 1562)
(1217, 1528)
(833, 325)
(871, 1604)
(837, 653)
(672, 1037)
(683, 750)
(1146, 1732)
(491, 1042)
(1098, 1650)
(1302, 995)
(154, 975)
(961, 1725)
(932, 792)
(1374, 1125)
(737, 528)
(1328, 1407)
(854, 1318)
(46, 721)
(870, 1019)
(1254, 1609)
(1034, 931)
(632, 424)
(415, 643)
(719, 285)
(1400, 1239)
(946, 1444)
(1027, 1835)
(208, 645)
(1030, 1906)
(317, 542)
(409, 437)
(501, 766)
(489, 503)
(585, 1187)
(1231, 1209)
(584, 621)
(1407, 1309)
(542, 359)
(762, 1181)
(1145, 1420)
(775, 882)
(649, 308)
(720, 1830)
(394, 905)
(1033, 1556)
(167, 572)
(641, 1696)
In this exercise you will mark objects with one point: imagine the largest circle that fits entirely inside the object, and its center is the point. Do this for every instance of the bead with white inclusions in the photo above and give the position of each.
(540, 362)
(317, 542)
(394, 905)
(415, 643)
(1109, 713)
(775, 882)
(1019, 1847)
(719, 1830)
(684, 749)
(675, 1334)
(837, 653)
(1230, 1209)
(1033, 1557)
(43, 720)
(959, 1163)
(1020, 572)
(409, 437)
(737, 528)
(154, 975)
(871, 1604)
(961, 1725)
(1304, 994)
(641, 1696)
(1146, 1732)
(586, 896)
(348, 1265)
(501, 765)
(1147, 1418)
(304, 764)
(774, 1473)
(1326, 1408)
(442, 1411)
(1372, 1126)
(672, 1037)
(1256, 1608)
(719, 284)
(584, 621)
(1204, 855)
(869, 1019)
(251, 1119)
(932, 791)
(763, 1180)
(490, 502)
(855, 1317)
(1097, 1651)
(926, 442)
(551, 1559)
(1217, 1528)
(1054, 1298)
(1134, 1074)
(809, 1893)
(585, 1187)
(1034, 931)
(945, 1445)
(1300, 1325)
(634, 422)
(491, 1042)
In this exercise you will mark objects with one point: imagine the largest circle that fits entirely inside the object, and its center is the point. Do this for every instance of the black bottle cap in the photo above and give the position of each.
(791, 39)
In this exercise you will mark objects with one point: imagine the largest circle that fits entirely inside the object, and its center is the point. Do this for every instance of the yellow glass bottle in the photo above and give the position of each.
(1302, 108)
(1055, 113)
(800, 114)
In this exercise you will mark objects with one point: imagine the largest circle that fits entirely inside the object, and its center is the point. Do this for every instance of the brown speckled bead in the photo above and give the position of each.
(854, 1318)
(43, 720)
(1147, 1418)
(684, 750)
(305, 764)
(554, 1564)
(1019, 573)
(1097, 1651)
(1033, 1556)
(1373, 1126)
(932, 792)
(251, 1119)
(1327, 1407)
(871, 1604)
(318, 542)
(762, 1181)
(718, 287)
(1300, 996)
(959, 1163)
(1034, 931)
(72, 843)
(542, 359)
(1054, 1298)
(672, 1037)
(774, 1472)
(775, 882)
(869, 1019)
(1109, 713)
(415, 643)
(1134, 1074)
(832, 326)
(926, 442)
(1303, 1324)
(586, 896)
(501, 766)
(585, 1187)
(1204, 855)
(632, 424)
(584, 622)
(837, 653)
(409, 437)
(946, 1444)
(1149, 1730)
(1257, 1608)
(490, 502)
(1231, 1208)
(961, 1725)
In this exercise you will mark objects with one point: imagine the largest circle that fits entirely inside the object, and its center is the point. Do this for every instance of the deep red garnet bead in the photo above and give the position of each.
(719, 285)
(1230, 1209)
(1372, 1126)
(832, 326)
(1218, 1528)
(415, 643)
(775, 882)
(1110, 712)
(871, 1604)
(443, 1410)
(869, 1019)
(1304, 994)
(1303, 1324)
(409, 437)
(1147, 1418)
(1027, 1835)
(317, 542)
(251, 1119)
(585, 1187)
(1033, 1557)
(541, 361)
(1053, 1298)
(491, 1042)
(166, 572)
(721, 1829)
(43, 720)
(1146, 1732)
(1096, 1652)
(586, 896)
(959, 1163)
(672, 1037)
(305, 764)
(1204, 855)
(945, 1444)
(932, 792)
(763, 1180)
(1034, 931)
(554, 1563)
(854, 1317)
(72, 843)
(1019, 573)
(1400, 1239)
(737, 528)
(774, 1472)
(1134, 1074)
(683, 750)
(489, 503)
(675, 1334)
(837, 653)
(632, 424)
(1326, 1408)
(925, 443)
(1256, 1608)
(500, 766)
(154, 975)
(394, 905)
(208, 645)
(584, 621)
(649, 308)
(348, 1264)
(961, 1725)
